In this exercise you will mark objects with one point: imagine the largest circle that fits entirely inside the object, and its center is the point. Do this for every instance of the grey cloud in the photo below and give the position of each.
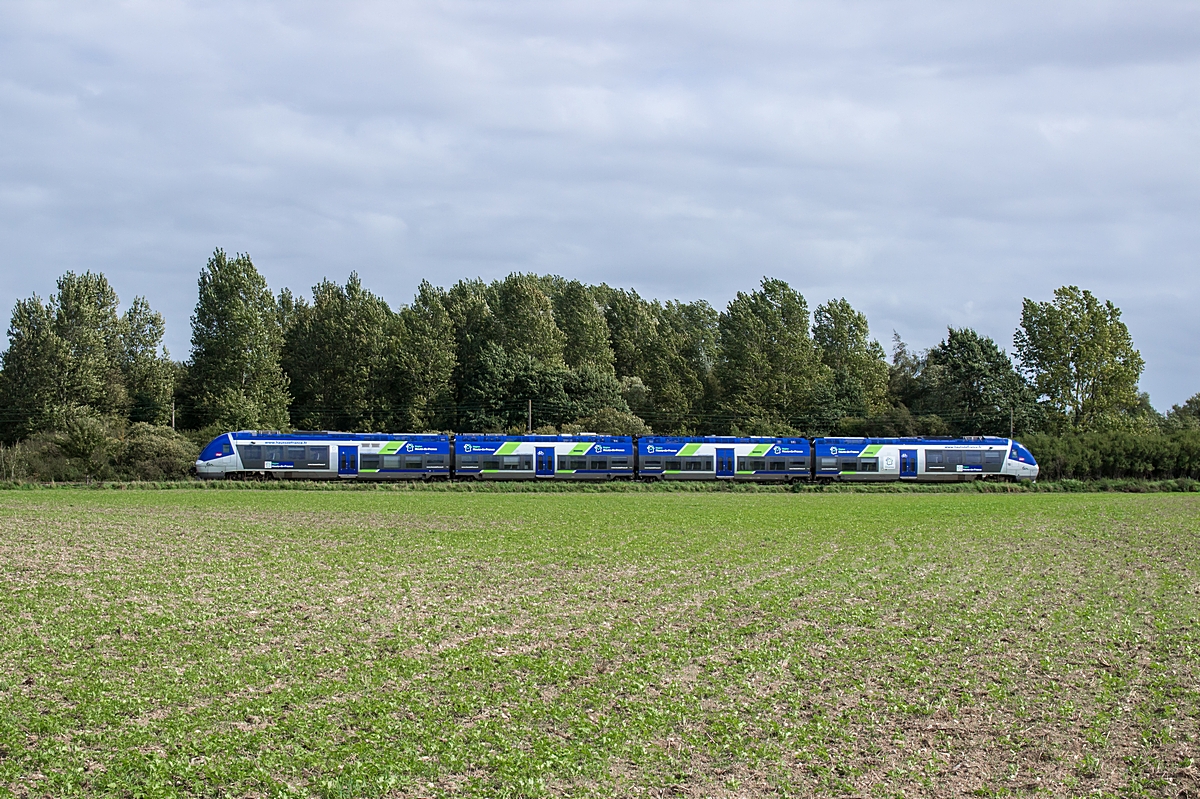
(933, 162)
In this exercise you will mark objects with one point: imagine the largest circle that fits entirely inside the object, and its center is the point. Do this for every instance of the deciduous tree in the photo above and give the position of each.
(1080, 357)
(334, 357)
(770, 371)
(856, 361)
(235, 378)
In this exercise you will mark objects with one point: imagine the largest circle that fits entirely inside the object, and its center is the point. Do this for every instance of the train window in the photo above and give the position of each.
(491, 465)
(296, 454)
(467, 462)
(318, 456)
(598, 463)
(652, 463)
(848, 466)
(778, 466)
(275, 454)
(368, 461)
(708, 464)
(953, 457)
(389, 462)
(742, 467)
(795, 466)
(993, 457)
(618, 463)
(435, 460)
(571, 464)
(828, 463)
(934, 458)
(694, 465)
(674, 466)
(412, 461)
(868, 465)
(973, 457)
(251, 456)
(510, 463)
(757, 465)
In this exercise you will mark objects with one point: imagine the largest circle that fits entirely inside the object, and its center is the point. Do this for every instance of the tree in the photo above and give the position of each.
(334, 358)
(857, 363)
(678, 351)
(584, 328)
(146, 365)
(770, 373)
(422, 362)
(1185, 416)
(630, 321)
(525, 318)
(235, 378)
(31, 379)
(973, 385)
(70, 356)
(1080, 356)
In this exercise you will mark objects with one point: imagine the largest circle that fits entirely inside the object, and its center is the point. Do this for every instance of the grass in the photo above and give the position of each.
(424, 643)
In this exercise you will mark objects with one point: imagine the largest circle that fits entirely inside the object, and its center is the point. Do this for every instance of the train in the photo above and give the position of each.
(331, 455)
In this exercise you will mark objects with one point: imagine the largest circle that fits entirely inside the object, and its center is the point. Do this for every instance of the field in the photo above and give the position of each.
(306, 643)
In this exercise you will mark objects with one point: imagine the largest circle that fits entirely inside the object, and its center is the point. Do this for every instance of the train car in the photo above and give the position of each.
(586, 456)
(325, 455)
(724, 458)
(922, 459)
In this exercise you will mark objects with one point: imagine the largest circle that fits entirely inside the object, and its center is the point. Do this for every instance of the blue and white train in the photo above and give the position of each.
(265, 454)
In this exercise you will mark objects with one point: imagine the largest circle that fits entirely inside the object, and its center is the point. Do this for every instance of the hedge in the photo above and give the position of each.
(1117, 455)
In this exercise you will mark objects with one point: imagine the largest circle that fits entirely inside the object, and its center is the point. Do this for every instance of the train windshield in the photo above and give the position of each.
(219, 447)
(1019, 453)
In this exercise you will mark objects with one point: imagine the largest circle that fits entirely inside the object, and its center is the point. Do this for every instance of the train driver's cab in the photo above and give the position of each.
(216, 458)
(1021, 463)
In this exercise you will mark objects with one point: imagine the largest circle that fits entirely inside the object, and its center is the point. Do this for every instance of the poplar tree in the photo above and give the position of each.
(677, 355)
(334, 355)
(1080, 357)
(235, 378)
(857, 362)
(584, 328)
(146, 365)
(30, 383)
(525, 318)
(771, 375)
(64, 357)
(421, 362)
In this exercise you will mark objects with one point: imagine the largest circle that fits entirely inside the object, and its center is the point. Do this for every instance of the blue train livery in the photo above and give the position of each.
(562, 457)
(921, 459)
(724, 458)
(326, 455)
(484, 456)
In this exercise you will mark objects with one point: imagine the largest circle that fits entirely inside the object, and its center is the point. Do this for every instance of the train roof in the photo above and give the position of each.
(989, 440)
(726, 439)
(334, 435)
(546, 439)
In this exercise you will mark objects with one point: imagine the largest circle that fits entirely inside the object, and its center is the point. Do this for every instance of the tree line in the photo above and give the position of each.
(553, 355)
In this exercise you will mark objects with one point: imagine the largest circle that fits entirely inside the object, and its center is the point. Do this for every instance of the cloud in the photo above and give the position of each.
(933, 162)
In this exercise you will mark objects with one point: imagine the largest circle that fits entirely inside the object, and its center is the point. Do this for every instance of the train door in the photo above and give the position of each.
(545, 461)
(347, 461)
(908, 463)
(724, 463)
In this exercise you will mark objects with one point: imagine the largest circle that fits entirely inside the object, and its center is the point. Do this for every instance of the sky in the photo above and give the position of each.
(934, 163)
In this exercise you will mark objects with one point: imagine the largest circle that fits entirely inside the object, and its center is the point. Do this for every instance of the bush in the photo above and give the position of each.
(155, 453)
(1117, 455)
(91, 448)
